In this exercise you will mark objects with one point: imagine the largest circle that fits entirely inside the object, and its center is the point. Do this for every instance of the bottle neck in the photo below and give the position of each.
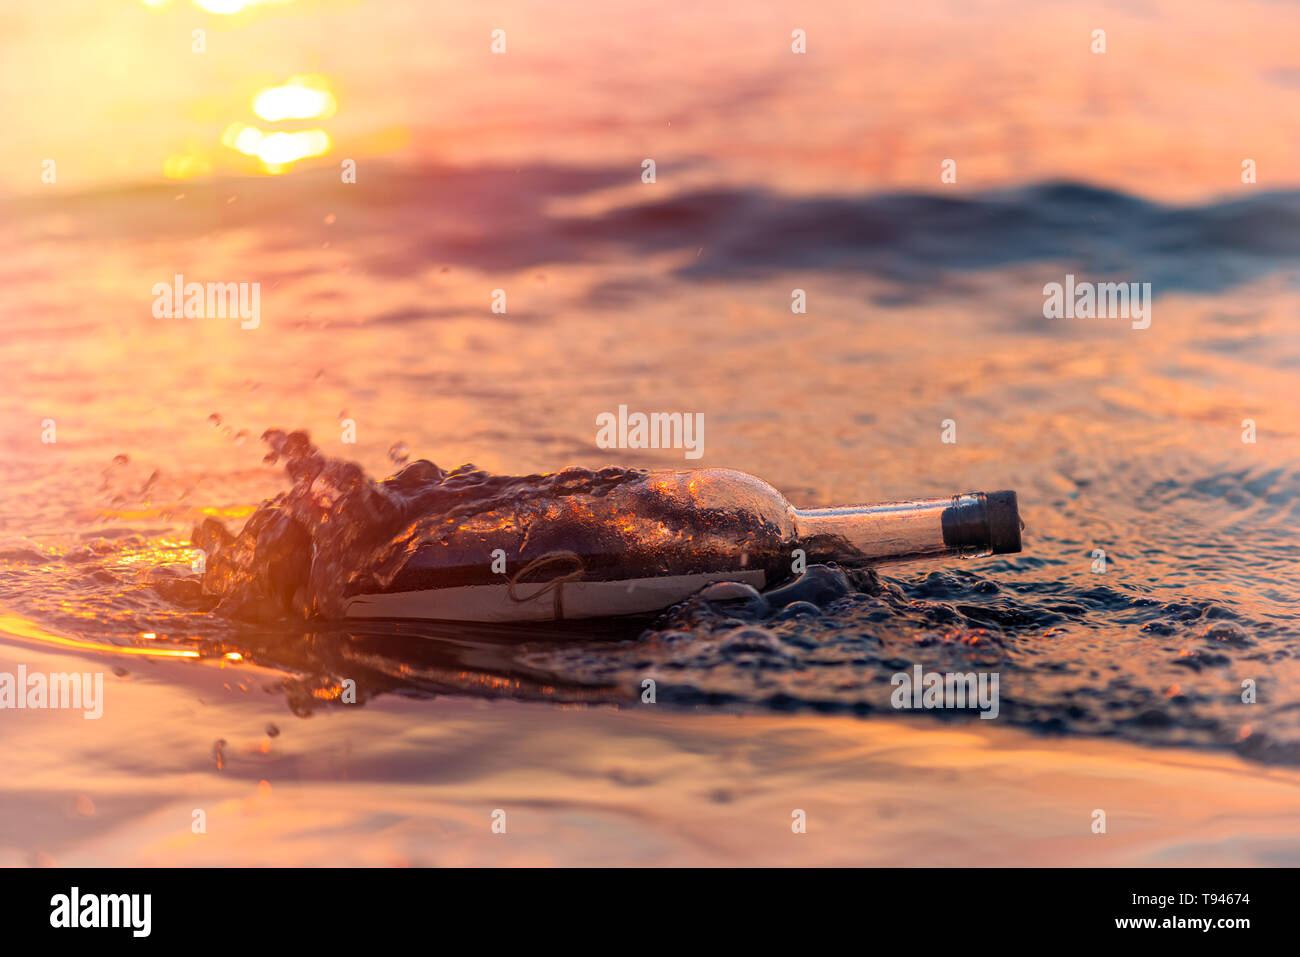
(968, 525)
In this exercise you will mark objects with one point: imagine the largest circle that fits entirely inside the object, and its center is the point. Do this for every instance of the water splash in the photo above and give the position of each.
(338, 532)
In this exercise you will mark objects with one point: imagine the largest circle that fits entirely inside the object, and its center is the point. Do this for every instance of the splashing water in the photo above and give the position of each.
(337, 532)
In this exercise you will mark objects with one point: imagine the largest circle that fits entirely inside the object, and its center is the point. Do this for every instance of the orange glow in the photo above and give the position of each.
(23, 628)
(225, 7)
(185, 166)
(219, 7)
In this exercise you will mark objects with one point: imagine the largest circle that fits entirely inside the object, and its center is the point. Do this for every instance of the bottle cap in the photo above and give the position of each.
(985, 523)
(1003, 517)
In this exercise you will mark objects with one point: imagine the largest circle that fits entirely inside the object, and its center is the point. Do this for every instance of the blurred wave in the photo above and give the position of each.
(913, 239)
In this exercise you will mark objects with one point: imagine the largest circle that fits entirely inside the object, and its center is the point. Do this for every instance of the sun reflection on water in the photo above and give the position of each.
(301, 98)
(304, 96)
(276, 150)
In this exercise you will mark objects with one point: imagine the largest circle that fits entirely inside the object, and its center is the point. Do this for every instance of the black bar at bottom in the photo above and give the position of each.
(326, 908)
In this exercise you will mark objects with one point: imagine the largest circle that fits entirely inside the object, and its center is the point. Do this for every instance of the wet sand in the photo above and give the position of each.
(397, 782)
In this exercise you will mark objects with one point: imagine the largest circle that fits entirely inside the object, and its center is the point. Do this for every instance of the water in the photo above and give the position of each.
(1119, 688)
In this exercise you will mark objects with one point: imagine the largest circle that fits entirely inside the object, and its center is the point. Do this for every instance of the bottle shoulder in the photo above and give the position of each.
(724, 489)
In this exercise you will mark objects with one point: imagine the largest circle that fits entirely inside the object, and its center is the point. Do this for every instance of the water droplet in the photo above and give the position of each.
(241, 436)
(120, 459)
(272, 730)
(399, 452)
(214, 420)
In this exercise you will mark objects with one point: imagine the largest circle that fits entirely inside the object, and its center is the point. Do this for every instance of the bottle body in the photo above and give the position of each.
(646, 544)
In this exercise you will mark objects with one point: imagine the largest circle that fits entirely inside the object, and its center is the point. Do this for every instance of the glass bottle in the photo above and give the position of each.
(654, 540)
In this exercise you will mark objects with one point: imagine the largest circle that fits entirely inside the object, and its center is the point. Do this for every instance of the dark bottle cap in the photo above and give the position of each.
(1004, 522)
(982, 521)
